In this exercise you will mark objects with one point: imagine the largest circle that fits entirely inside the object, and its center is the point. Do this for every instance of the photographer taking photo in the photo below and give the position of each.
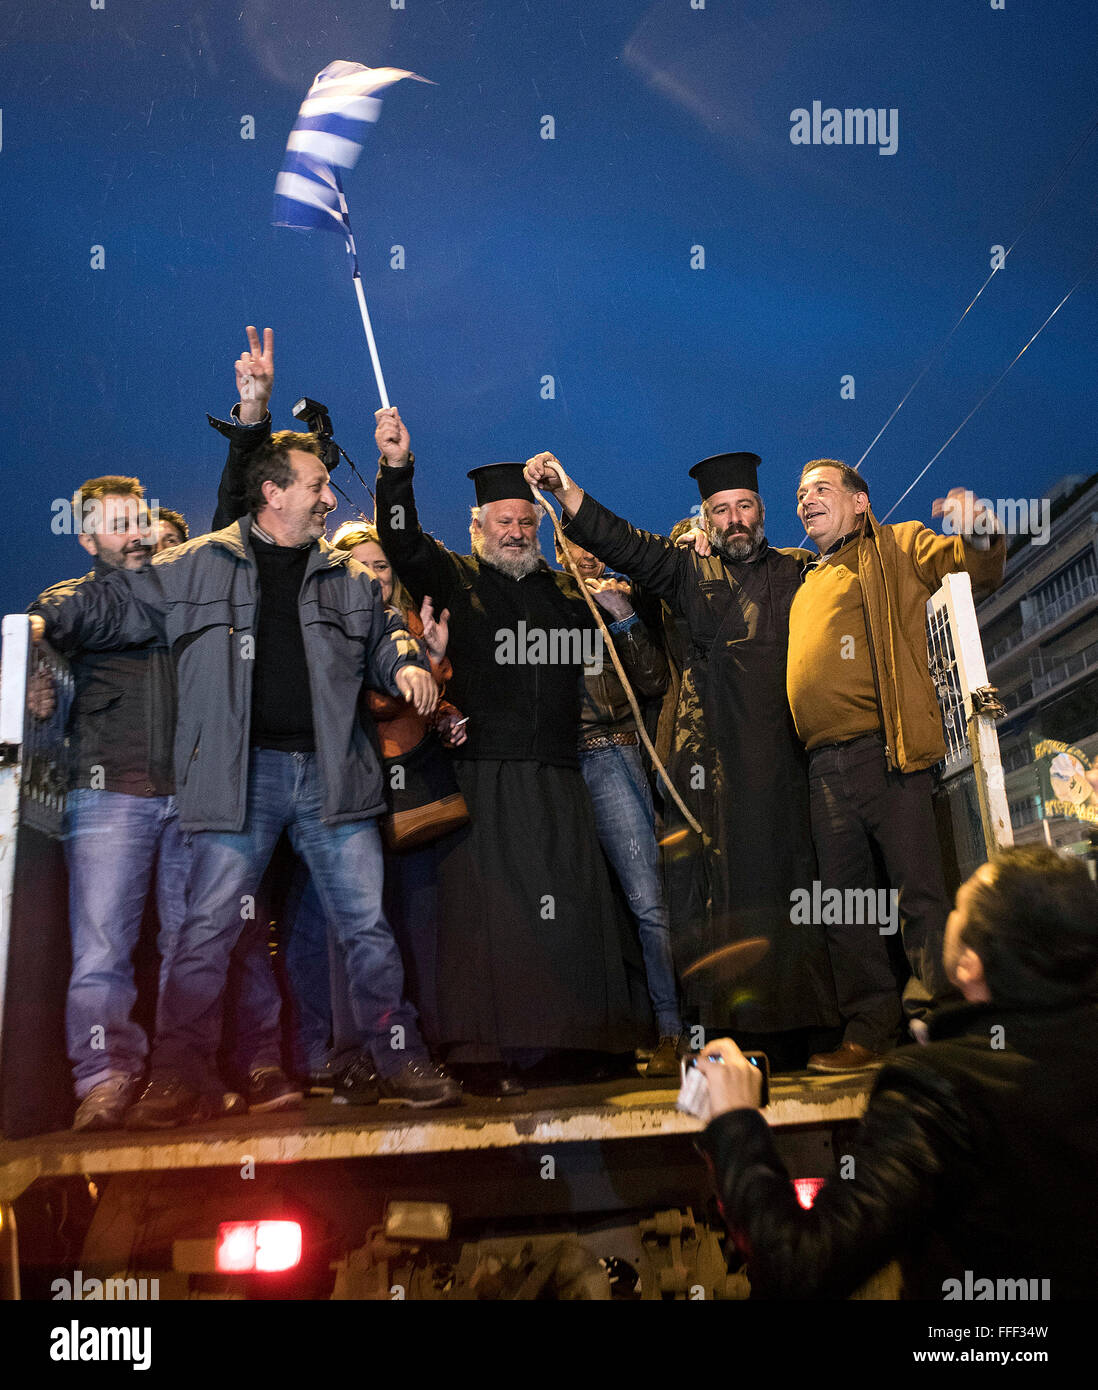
(975, 1158)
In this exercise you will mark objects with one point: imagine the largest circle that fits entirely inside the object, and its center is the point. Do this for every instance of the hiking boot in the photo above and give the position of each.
(168, 1101)
(421, 1084)
(269, 1088)
(357, 1083)
(105, 1105)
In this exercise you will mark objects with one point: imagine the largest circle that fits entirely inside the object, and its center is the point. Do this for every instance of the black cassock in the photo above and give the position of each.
(535, 949)
(738, 764)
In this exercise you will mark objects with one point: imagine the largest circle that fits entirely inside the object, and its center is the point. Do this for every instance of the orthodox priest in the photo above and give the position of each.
(535, 953)
(735, 758)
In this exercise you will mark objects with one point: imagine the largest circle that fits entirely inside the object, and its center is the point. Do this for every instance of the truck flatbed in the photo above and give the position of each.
(626, 1109)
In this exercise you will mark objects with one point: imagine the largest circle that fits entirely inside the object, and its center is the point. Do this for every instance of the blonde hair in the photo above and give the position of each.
(355, 533)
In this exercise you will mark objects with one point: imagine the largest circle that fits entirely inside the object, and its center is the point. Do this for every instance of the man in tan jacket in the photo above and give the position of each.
(865, 707)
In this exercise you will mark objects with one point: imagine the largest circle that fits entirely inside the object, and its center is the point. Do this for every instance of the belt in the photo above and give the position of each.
(590, 742)
(874, 734)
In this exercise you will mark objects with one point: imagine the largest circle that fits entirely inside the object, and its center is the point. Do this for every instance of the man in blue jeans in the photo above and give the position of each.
(274, 635)
(611, 764)
(121, 834)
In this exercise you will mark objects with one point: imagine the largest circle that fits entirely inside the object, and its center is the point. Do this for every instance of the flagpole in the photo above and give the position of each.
(370, 339)
(357, 279)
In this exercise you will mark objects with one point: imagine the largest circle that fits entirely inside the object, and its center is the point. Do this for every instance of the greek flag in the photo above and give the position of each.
(328, 136)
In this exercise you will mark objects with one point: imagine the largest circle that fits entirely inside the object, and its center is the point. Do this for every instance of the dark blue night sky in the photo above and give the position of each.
(569, 257)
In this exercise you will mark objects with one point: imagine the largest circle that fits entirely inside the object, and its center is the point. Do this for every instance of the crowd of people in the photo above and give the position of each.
(259, 693)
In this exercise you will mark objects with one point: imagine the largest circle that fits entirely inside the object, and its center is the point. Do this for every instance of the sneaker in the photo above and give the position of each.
(269, 1088)
(105, 1105)
(356, 1083)
(665, 1059)
(421, 1084)
(169, 1101)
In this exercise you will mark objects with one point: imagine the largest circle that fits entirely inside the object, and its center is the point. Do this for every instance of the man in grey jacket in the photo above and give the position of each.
(269, 737)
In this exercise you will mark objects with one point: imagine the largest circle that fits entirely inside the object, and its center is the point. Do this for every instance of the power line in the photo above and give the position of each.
(946, 341)
(991, 389)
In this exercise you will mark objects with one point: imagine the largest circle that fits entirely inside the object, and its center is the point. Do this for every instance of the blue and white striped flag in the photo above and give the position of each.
(328, 136)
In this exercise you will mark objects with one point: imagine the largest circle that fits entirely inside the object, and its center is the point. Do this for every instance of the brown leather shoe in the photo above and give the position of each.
(665, 1060)
(848, 1057)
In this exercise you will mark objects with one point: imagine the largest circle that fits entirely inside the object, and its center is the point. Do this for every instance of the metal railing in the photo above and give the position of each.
(1046, 615)
(1064, 670)
(1051, 612)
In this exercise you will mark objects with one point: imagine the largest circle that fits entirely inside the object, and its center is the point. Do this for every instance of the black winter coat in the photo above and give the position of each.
(738, 764)
(977, 1154)
(521, 708)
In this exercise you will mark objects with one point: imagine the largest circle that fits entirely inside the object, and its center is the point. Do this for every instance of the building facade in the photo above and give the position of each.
(1040, 639)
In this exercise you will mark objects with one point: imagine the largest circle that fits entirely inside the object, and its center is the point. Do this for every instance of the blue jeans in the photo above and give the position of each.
(308, 956)
(627, 832)
(112, 844)
(319, 993)
(226, 868)
(320, 997)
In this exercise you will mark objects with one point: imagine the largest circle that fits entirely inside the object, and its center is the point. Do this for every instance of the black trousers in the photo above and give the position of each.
(858, 804)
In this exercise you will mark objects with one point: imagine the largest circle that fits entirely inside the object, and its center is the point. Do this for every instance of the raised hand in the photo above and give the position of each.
(613, 596)
(544, 471)
(255, 376)
(436, 631)
(391, 437)
(963, 514)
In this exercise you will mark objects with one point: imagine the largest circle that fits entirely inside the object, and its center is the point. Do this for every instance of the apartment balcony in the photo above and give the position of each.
(1062, 673)
(1046, 617)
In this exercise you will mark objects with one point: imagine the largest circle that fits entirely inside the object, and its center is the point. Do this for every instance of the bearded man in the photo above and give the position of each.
(535, 954)
(735, 757)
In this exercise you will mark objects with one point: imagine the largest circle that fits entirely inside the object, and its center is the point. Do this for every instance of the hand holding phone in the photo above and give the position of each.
(735, 1089)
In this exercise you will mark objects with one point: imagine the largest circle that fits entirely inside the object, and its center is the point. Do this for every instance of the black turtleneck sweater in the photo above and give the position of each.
(282, 704)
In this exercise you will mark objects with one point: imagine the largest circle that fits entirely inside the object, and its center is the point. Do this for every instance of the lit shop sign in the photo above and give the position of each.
(1069, 781)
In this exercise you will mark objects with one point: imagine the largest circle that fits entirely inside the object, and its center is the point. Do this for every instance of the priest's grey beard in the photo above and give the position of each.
(516, 560)
(736, 546)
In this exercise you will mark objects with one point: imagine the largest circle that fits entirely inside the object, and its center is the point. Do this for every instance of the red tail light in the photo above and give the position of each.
(807, 1190)
(265, 1247)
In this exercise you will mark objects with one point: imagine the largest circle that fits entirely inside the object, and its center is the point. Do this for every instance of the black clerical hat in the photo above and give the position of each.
(500, 482)
(725, 471)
